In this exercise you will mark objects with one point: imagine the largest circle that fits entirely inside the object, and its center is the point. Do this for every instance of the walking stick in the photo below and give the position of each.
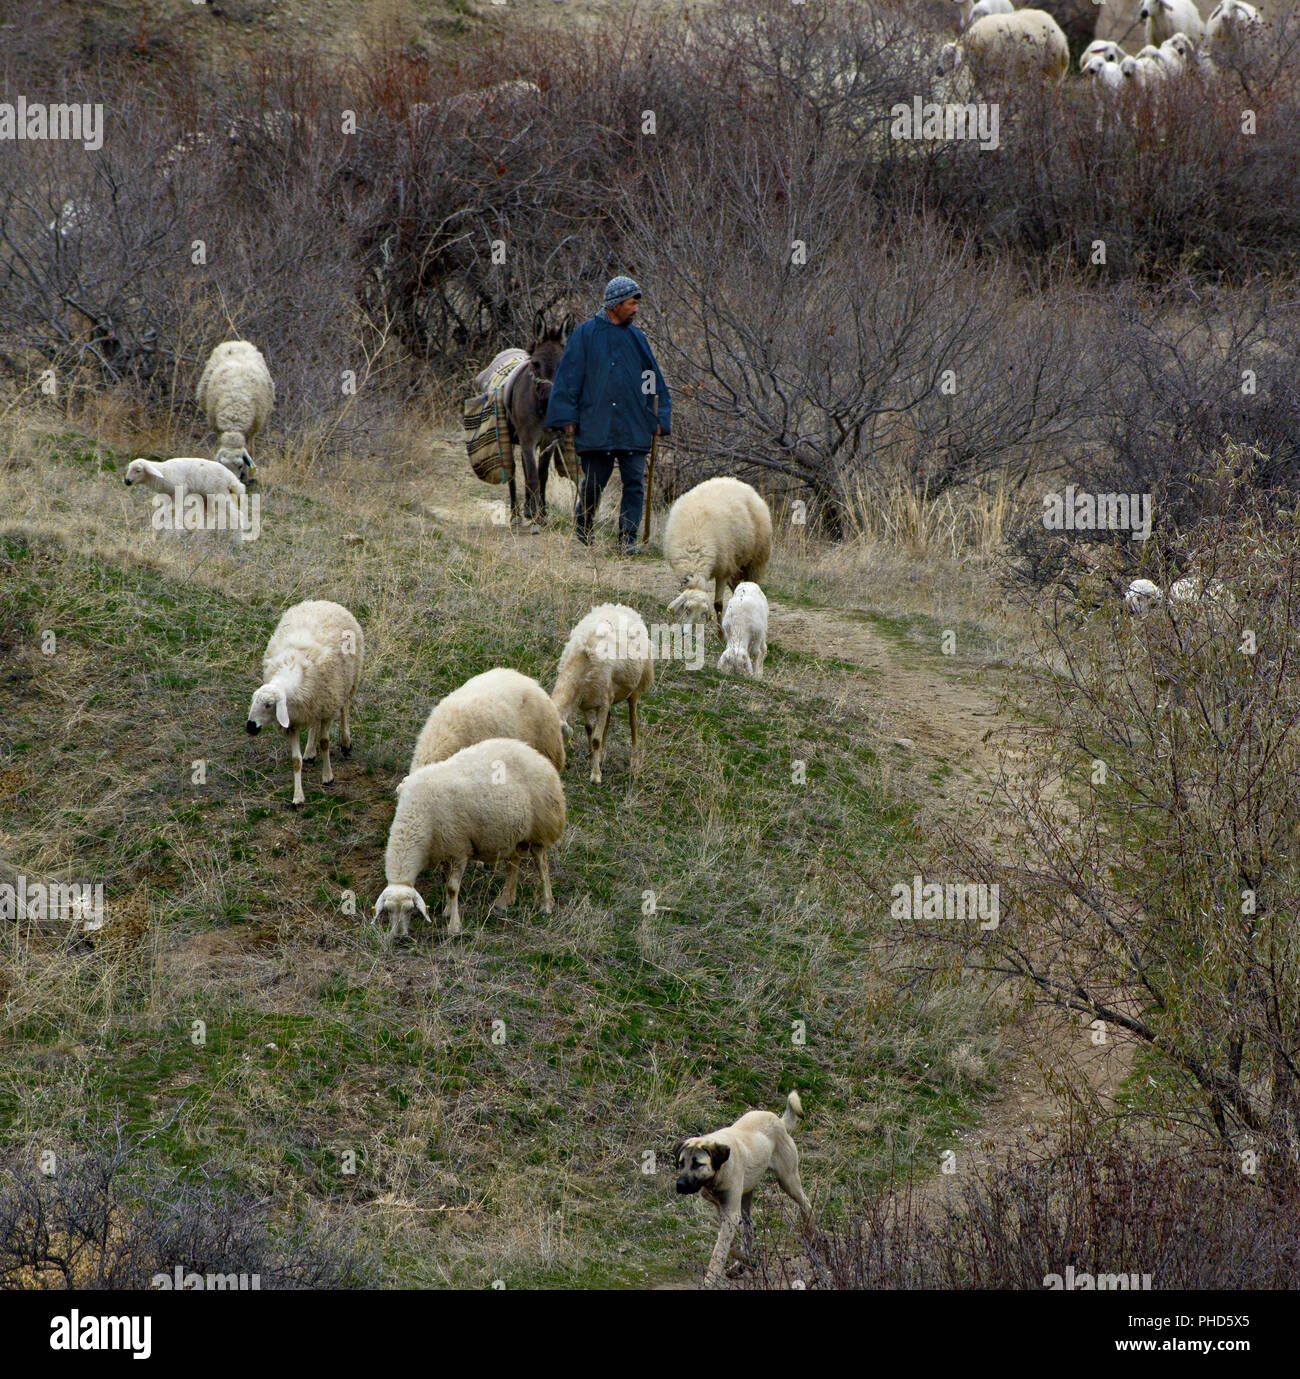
(650, 476)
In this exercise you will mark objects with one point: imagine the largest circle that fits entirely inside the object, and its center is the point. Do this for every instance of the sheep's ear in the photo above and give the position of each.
(420, 905)
(282, 709)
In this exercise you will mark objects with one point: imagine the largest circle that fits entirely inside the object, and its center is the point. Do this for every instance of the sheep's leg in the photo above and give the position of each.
(295, 754)
(507, 896)
(758, 660)
(345, 732)
(598, 743)
(313, 744)
(327, 771)
(544, 870)
(451, 894)
(631, 718)
(719, 591)
(586, 723)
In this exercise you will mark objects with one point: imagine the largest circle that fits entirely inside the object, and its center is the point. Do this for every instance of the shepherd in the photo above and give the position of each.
(610, 396)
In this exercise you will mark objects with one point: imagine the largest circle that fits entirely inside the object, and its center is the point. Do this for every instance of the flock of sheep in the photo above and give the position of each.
(484, 783)
(1000, 41)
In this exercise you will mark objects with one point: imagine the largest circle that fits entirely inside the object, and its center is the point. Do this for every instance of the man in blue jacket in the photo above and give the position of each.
(604, 395)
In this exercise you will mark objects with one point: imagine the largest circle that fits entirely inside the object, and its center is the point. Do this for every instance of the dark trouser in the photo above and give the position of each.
(597, 467)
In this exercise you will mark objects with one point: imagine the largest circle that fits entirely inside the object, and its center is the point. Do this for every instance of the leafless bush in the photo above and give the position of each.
(1134, 1217)
(1158, 874)
(107, 1219)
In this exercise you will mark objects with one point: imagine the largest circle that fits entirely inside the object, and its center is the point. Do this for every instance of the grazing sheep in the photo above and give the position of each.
(236, 394)
(1021, 44)
(499, 799)
(1141, 594)
(605, 661)
(1165, 18)
(186, 476)
(719, 533)
(744, 625)
(498, 703)
(311, 671)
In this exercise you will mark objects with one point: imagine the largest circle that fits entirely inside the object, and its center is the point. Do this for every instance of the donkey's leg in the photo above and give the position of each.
(514, 499)
(528, 449)
(543, 474)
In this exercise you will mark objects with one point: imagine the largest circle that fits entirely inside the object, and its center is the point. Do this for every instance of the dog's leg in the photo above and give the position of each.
(787, 1175)
(729, 1213)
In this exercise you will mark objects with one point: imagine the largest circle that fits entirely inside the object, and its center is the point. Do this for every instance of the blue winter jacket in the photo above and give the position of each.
(598, 386)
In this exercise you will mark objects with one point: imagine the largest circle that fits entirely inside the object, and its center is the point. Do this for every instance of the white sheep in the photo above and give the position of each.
(1233, 31)
(188, 476)
(236, 394)
(310, 671)
(1021, 44)
(499, 703)
(971, 10)
(605, 661)
(1165, 18)
(744, 625)
(1104, 48)
(718, 533)
(497, 800)
(1143, 71)
(1142, 594)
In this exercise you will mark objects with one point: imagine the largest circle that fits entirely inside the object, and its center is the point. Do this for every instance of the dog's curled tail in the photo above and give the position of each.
(793, 1111)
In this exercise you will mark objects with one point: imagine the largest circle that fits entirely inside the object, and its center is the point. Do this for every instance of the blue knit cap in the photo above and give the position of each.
(619, 290)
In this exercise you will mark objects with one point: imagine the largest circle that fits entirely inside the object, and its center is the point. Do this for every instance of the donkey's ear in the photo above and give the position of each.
(566, 326)
(539, 326)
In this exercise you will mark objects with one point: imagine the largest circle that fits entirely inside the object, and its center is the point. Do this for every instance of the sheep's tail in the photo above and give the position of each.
(793, 1112)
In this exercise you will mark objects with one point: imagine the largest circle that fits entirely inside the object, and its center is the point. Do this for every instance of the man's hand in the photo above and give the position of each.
(569, 430)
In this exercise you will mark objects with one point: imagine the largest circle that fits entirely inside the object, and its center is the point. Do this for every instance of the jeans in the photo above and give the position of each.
(597, 468)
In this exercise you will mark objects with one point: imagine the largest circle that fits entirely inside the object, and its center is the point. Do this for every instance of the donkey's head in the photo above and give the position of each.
(544, 358)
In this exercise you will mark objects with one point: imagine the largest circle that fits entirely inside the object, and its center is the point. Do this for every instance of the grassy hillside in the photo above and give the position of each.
(705, 902)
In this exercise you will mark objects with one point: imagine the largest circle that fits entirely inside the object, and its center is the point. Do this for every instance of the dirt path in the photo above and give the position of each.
(932, 717)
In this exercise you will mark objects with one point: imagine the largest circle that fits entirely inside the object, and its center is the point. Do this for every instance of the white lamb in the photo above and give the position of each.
(1142, 594)
(1021, 44)
(718, 533)
(497, 800)
(217, 489)
(744, 625)
(498, 703)
(311, 671)
(236, 394)
(1165, 18)
(605, 661)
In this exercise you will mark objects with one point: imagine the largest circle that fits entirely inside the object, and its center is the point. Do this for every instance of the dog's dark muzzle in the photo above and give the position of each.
(686, 1184)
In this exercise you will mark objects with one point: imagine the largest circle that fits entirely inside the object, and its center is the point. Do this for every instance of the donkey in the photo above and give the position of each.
(528, 390)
